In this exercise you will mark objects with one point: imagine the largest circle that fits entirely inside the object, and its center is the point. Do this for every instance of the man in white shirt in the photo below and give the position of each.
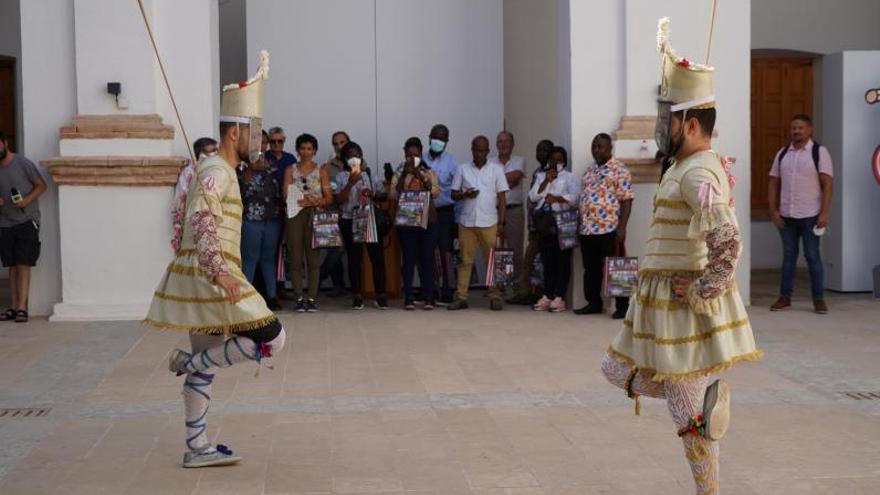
(480, 188)
(514, 172)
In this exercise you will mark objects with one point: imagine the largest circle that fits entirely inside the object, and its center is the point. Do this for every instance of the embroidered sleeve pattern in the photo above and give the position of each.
(207, 243)
(723, 243)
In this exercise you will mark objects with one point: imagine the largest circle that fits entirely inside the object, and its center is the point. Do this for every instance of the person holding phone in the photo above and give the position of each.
(20, 186)
(358, 188)
(480, 187)
(417, 244)
(555, 189)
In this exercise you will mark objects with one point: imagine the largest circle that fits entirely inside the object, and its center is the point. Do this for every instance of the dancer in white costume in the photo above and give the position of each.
(687, 320)
(204, 291)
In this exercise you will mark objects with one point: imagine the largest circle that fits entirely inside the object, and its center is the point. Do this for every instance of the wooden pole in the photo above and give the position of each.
(711, 30)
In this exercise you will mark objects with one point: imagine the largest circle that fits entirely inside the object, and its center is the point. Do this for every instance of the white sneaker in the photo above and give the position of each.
(558, 305)
(177, 361)
(543, 304)
(716, 410)
(210, 456)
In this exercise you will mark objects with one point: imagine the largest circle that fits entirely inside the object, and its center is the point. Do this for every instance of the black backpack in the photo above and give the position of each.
(816, 147)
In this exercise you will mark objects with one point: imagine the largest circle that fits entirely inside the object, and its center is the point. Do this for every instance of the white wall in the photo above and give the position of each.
(383, 70)
(186, 38)
(48, 75)
(107, 275)
(816, 26)
(118, 41)
(438, 62)
(851, 133)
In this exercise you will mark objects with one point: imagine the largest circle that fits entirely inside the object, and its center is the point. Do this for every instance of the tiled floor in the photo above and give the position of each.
(440, 403)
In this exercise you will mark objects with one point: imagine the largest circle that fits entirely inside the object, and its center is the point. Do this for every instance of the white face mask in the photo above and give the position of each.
(560, 167)
(354, 162)
(417, 161)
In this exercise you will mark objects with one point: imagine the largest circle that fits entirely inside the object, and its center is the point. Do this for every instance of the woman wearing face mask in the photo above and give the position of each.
(359, 187)
(315, 184)
(261, 195)
(417, 243)
(555, 189)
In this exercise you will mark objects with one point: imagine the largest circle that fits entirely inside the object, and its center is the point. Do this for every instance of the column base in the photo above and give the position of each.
(100, 312)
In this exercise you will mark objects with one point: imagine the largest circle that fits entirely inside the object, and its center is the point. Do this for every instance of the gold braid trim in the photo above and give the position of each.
(232, 201)
(670, 221)
(189, 271)
(671, 204)
(672, 304)
(231, 214)
(693, 338)
(675, 239)
(755, 355)
(654, 272)
(199, 300)
(226, 254)
(212, 330)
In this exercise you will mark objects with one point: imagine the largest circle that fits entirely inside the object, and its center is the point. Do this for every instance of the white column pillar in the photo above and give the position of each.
(119, 162)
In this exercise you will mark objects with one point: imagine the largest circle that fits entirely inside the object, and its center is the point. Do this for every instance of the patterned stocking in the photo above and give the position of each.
(618, 373)
(685, 400)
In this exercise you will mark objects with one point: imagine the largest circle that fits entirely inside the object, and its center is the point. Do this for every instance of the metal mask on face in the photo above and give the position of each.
(256, 139)
(668, 144)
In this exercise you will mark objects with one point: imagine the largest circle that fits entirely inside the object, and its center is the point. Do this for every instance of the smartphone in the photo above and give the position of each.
(16, 196)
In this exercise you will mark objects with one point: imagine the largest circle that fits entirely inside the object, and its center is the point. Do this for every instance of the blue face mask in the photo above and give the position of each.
(437, 146)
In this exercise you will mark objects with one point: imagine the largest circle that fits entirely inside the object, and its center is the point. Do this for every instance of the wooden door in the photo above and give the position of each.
(7, 100)
(781, 88)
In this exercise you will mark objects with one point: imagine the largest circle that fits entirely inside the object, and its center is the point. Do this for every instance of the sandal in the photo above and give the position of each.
(7, 315)
(21, 316)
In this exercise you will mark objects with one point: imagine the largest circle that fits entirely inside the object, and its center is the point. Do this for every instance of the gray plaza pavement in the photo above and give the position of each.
(473, 402)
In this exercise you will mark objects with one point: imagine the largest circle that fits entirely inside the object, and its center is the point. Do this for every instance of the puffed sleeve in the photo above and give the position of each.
(205, 214)
(715, 222)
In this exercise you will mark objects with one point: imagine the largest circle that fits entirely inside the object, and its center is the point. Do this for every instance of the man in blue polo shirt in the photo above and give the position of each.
(445, 166)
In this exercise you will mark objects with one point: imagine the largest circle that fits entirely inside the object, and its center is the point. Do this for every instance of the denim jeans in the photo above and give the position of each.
(795, 229)
(259, 241)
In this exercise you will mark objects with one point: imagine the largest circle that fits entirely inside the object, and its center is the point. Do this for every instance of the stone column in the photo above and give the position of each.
(115, 220)
(120, 158)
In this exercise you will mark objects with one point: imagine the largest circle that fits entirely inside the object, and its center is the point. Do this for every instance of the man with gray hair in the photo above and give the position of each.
(514, 172)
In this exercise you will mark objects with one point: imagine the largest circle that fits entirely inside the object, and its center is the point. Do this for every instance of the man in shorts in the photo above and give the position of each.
(20, 186)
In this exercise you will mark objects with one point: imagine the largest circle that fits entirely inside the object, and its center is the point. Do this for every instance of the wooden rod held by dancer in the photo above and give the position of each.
(711, 30)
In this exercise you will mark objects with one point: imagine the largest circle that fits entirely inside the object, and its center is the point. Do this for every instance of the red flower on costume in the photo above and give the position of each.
(684, 63)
